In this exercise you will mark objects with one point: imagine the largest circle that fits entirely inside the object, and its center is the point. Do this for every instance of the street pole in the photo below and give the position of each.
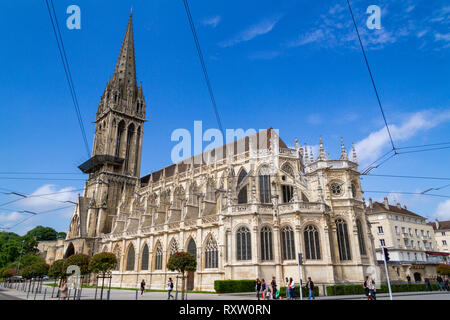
(387, 273)
(300, 261)
(20, 258)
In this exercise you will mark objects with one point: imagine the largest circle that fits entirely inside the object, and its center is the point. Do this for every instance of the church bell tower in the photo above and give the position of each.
(114, 168)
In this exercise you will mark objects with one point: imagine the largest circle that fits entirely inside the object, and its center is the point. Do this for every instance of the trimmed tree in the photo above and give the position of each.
(443, 269)
(80, 260)
(38, 269)
(7, 273)
(103, 263)
(182, 262)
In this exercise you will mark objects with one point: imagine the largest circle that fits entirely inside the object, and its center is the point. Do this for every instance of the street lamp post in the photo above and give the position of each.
(20, 257)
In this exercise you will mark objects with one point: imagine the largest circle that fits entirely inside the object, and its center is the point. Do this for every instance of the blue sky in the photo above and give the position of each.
(292, 65)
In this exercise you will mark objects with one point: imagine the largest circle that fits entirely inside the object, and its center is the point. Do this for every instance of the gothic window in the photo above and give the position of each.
(288, 192)
(117, 253)
(343, 240)
(312, 244)
(144, 258)
(192, 247)
(173, 247)
(158, 257)
(242, 196)
(336, 189)
(266, 244)
(286, 167)
(362, 246)
(241, 176)
(130, 258)
(264, 188)
(243, 244)
(287, 243)
(130, 135)
(211, 254)
(120, 130)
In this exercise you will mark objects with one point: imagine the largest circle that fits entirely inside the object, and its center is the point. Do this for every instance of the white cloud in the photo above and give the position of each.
(314, 119)
(311, 37)
(440, 36)
(371, 147)
(443, 211)
(253, 31)
(40, 205)
(211, 21)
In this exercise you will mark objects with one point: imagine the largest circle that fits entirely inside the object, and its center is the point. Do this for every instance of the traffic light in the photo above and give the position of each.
(386, 253)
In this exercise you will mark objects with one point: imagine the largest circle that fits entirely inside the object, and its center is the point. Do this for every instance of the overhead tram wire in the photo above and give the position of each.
(34, 215)
(371, 76)
(412, 193)
(407, 177)
(25, 196)
(35, 178)
(202, 62)
(62, 52)
(39, 173)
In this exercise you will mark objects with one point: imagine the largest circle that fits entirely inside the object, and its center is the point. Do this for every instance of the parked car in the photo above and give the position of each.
(45, 278)
(16, 279)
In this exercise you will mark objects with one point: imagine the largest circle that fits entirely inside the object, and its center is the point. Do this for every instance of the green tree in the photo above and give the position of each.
(182, 262)
(43, 233)
(57, 269)
(9, 272)
(38, 269)
(80, 260)
(102, 263)
(61, 235)
(443, 269)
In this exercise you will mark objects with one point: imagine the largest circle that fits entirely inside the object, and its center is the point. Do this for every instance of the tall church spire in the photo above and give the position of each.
(125, 70)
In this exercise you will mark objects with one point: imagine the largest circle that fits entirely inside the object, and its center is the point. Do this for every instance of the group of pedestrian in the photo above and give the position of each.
(169, 288)
(369, 289)
(267, 292)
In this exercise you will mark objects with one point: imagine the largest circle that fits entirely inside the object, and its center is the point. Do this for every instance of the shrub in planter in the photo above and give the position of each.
(305, 291)
(230, 286)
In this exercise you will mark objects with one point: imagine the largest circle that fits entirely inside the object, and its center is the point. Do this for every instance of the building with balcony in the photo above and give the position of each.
(410, 240)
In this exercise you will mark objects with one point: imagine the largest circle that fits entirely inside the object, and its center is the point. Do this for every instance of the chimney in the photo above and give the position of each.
(399, 205)
(436, 222)
(386, 203)
(370, 203)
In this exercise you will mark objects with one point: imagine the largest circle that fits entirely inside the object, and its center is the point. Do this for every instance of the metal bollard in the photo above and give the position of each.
(45, 293)
(35, 293)
(29, 287)
(137, 292)
(108, 294)
(68, 295)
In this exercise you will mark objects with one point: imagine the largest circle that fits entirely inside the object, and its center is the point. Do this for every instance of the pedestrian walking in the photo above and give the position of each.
(63, 289)
(288, 288)
(446, 286)
(169, 288)
(258, 288)
(440, 282)
(273, 284)
(292, 288)
(366, 287)
(408, 279)
(264, 289)
(142, 286)
(427, 284)
(372, 291)
(310, 286)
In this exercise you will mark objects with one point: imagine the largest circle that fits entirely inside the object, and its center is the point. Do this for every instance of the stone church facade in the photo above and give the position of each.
(244, 210)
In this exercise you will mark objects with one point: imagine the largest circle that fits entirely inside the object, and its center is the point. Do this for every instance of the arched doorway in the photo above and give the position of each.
(70, 250)
(192, 249)
(417, 277)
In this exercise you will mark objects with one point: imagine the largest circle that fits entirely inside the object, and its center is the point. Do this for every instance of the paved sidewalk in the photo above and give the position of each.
(117, 294)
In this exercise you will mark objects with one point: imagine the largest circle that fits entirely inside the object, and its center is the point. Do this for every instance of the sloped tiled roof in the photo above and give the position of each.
(379, 207)
(443, 225)
(185, 164)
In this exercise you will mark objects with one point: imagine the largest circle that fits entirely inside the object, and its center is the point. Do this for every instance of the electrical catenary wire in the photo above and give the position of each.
(202, 62)
(404, 192)
(62, 52)
(400, 176)
(371, 76)
(25, 196)
(34, 215)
